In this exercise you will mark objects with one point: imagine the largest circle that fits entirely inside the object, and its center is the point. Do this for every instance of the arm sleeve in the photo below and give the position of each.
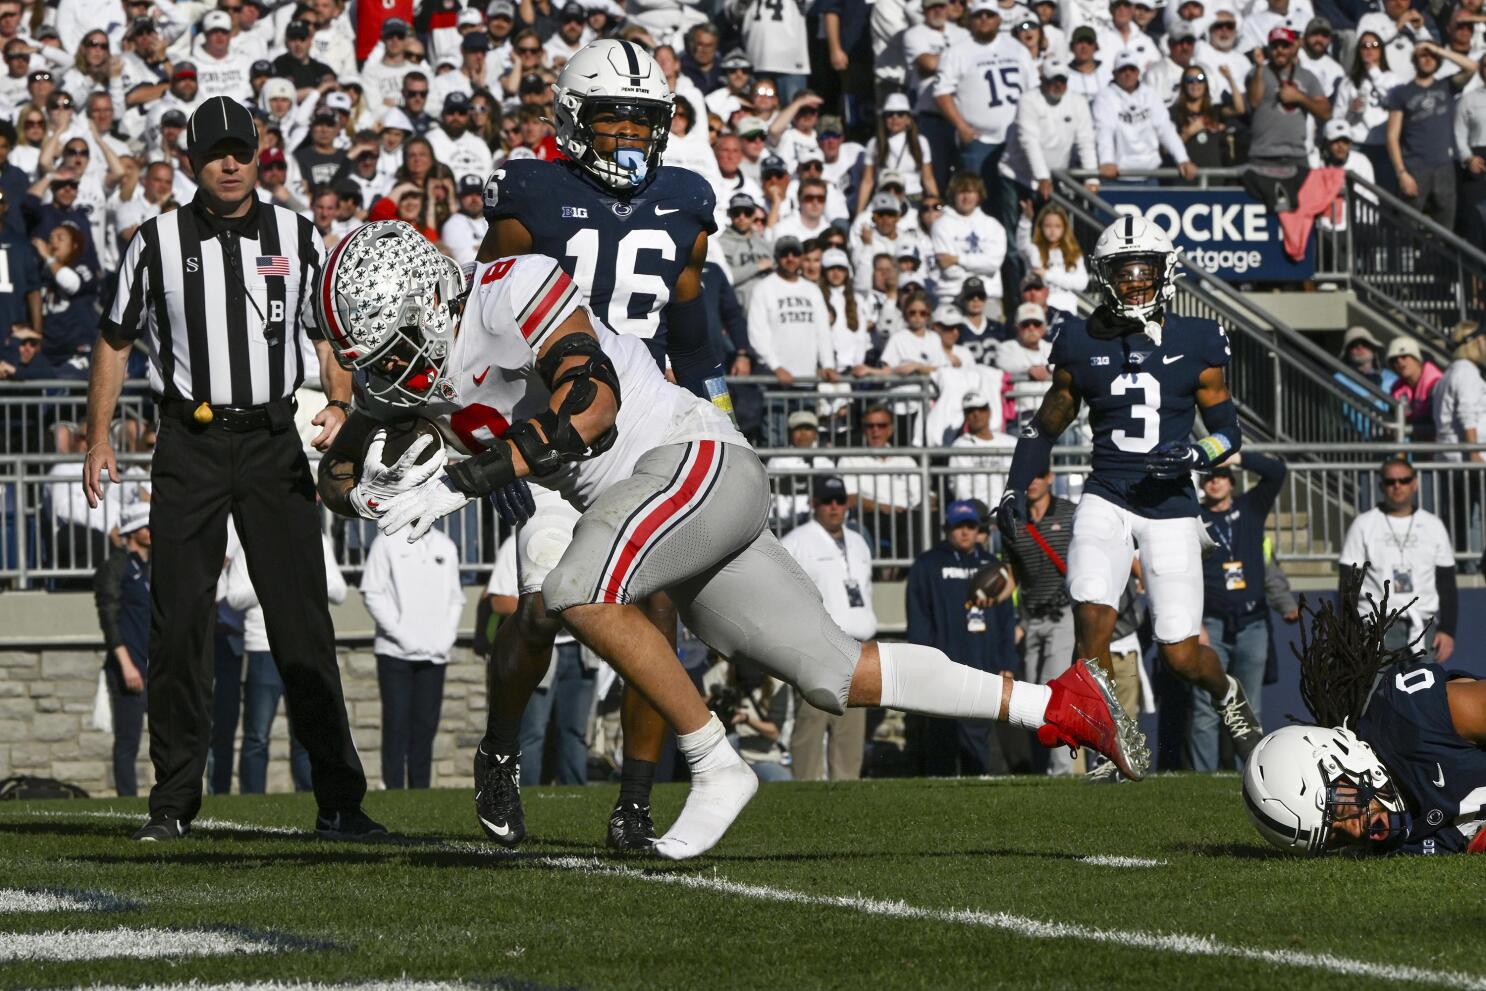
(106, 595)
(1029, 133)
(1444, 582)
(376, 591)
(689, 345)
(1271, 472)
(124, 319)
(1105, 123)
(335, 582)
(535, 294)
(1166, 130)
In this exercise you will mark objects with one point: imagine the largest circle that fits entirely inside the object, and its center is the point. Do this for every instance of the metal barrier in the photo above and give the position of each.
(1290, 389)
(1408, 269)
(48, 537)
(33, 413)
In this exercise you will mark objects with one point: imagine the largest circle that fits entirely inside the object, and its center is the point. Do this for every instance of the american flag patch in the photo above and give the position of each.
(273, 265)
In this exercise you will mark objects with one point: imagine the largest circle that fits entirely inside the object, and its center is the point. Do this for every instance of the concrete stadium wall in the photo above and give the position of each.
(46, 720)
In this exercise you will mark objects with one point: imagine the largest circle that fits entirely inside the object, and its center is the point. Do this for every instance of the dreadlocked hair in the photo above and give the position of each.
(1341, 657)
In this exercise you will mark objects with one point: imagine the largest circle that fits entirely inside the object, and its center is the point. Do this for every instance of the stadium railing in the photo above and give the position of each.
(1309, 525)
(1289, 389)
(1422, 277)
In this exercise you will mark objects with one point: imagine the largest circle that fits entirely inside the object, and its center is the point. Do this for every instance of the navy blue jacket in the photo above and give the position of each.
(937, 590)
(1239, 534)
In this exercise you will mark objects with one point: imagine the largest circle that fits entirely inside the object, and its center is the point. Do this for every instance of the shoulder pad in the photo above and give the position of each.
(515, 186)
(692, 191)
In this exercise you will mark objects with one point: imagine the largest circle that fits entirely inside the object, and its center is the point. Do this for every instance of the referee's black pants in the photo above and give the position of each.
(263, 479)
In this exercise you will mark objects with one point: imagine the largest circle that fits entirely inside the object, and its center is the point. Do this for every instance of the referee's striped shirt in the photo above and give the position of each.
(229, 327)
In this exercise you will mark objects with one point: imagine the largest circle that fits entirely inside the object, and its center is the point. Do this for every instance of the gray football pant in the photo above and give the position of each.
(691, 521)
(1047, 651)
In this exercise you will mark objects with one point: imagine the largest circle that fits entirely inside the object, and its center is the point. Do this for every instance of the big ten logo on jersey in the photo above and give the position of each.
(575, 212)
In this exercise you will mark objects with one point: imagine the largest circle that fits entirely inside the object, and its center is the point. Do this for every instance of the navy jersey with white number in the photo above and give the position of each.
(1140, 395)
(1440, 774)
(625, 252)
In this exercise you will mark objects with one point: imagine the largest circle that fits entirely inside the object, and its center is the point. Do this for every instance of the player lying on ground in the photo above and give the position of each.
(672, 498)
(632, 235)
(1405, 769)
(1143, 374)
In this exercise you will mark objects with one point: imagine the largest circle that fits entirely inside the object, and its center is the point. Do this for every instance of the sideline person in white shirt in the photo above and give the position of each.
(839, 562)
(1408, 548)
(413, 593)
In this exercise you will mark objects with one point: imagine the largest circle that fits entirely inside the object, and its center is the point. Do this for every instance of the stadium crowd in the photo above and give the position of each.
(886, 233)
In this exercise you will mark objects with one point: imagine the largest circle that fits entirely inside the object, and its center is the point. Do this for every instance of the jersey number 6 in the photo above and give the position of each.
(1147, 411)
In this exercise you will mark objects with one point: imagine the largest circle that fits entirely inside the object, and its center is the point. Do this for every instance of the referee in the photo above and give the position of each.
(220, 290)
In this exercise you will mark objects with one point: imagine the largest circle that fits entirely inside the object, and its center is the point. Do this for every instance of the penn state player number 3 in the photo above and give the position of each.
(1147, 412)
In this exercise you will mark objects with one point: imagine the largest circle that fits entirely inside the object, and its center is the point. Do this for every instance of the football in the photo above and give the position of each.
(989, 583)
(402, 433)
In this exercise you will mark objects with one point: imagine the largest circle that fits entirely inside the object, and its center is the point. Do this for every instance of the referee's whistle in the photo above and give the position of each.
(203, 414)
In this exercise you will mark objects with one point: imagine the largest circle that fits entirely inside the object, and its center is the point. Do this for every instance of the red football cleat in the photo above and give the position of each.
(1083, 712)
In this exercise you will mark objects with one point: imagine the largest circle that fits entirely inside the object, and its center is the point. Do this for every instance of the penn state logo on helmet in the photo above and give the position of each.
(616, 81)
(388, 302)
(1135, 265)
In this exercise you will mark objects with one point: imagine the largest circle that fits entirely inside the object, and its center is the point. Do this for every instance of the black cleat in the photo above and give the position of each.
(352, 825)
(498, 796)
(630, 828)
(161, 829)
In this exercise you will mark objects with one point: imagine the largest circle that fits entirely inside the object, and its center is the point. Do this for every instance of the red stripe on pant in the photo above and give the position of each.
(668, 507)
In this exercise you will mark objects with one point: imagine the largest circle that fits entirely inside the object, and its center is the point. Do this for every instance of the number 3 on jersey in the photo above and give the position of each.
(1147, 411)
(583, 248)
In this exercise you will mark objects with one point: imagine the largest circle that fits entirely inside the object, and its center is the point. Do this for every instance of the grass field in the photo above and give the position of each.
(874, 885)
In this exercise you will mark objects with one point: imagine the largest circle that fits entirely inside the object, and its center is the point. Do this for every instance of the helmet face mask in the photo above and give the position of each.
(612, 84)
(1310, 789)
(390, 302)
(1135, 266)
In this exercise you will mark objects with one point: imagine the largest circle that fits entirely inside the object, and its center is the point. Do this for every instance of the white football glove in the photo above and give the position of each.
(381, 483)
(422, 507)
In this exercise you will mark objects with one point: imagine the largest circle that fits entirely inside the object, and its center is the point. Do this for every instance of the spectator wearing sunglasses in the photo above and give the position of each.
(749, 255)
(1282, 96)
(1410, 549)
(1198, 120)
(1219, 48)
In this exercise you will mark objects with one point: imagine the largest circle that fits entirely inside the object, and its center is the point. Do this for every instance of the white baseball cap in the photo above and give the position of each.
(1054, 69)
(1126, 57)
(1336, 129)
(1029, 312)
(897, 103)
(1404, 346)
(834, 258)
(136, 516)
(948, 315)
(217, 20)
(974, 400)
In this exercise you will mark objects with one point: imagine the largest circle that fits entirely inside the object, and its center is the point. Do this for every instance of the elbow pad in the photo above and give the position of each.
(689, 346)
(1224, 436)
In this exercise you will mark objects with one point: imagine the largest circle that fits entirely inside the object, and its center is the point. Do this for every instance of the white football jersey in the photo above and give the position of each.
(491, 379)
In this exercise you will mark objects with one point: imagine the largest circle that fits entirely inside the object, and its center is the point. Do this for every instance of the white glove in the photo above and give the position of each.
(422, 507)
(381, 483)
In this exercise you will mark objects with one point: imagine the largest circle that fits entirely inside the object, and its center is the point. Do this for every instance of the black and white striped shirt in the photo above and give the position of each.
(225, 306)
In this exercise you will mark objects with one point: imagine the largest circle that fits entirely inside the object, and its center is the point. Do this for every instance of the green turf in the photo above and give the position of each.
(441, 907)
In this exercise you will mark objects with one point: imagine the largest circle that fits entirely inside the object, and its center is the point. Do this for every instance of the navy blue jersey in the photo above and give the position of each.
(1440, 775)
(1140, 395)
(625, 252)
(20, 273)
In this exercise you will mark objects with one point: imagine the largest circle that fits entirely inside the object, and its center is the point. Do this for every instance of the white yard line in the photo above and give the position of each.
(1100, 860)
(1180, 944)
(126, 942)
(57, 900)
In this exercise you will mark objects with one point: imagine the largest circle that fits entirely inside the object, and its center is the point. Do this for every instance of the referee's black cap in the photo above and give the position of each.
(220, 121)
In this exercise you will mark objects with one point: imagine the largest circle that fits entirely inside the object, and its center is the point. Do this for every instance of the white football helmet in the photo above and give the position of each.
(388, 302)
(1300, 780)
(619, 77)
(1134, 250)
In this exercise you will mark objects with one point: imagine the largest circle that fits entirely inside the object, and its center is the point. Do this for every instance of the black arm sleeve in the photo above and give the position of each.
(107, 584)
(1033, 454)
(1444, 581)
(689, 345)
